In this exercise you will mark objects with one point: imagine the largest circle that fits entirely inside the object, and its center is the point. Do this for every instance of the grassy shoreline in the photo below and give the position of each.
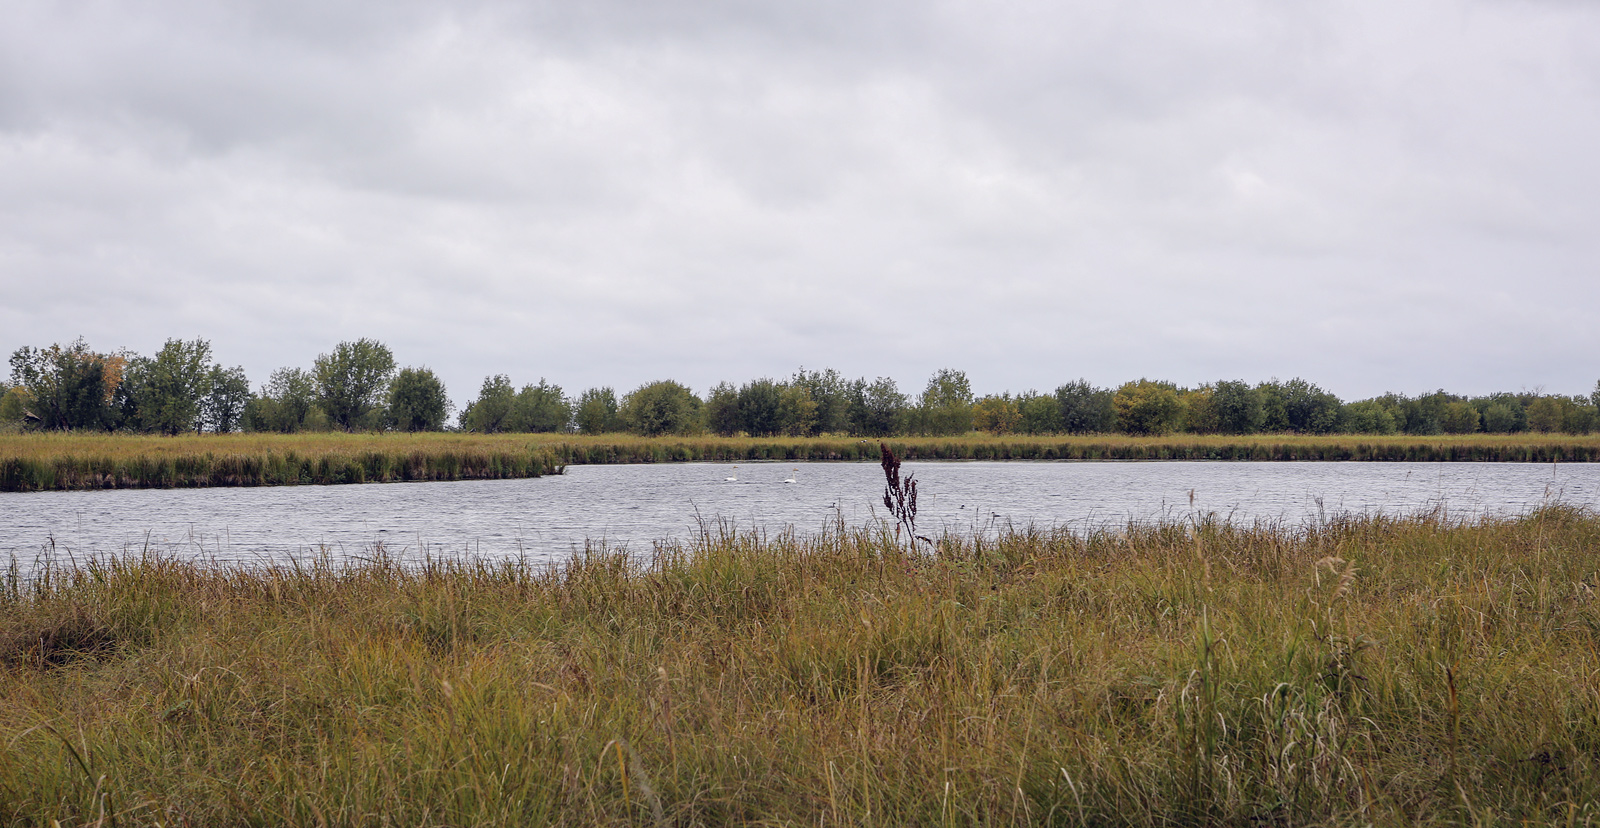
(1356, 671)
(36, 462)
(42, 462)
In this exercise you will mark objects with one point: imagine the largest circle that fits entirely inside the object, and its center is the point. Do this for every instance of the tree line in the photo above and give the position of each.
(357, 386)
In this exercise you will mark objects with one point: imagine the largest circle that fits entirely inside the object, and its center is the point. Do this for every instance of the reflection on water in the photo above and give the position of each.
(548, 518)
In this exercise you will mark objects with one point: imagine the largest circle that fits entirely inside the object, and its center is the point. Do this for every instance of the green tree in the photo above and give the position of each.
(1086, 409)
(1424, 415)
(13, 405)
(760, 404)
(1200, 410)
(1298, 406)
(1366, 417)
(797, 411)
(1039, 413)
(945, 407)
(417, 401)
(877, 409)
(285, 402)
(597, 412)
(69, 387)
(831, 393)
(541, 408)
(1396, 405)
(169, 388)
(352, 382)
(1148, 407)
(1460, 417)
(1577, 417)
(996, 414)
(1238, 407)
(227, 395)
(722, 410)
(1545, 415)
(1500, 417)
(490, 413)
(662, 407)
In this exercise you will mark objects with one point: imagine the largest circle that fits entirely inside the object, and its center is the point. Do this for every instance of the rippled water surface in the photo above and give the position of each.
(549, 517)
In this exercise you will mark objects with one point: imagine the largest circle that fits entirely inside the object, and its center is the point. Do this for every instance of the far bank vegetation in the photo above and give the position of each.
(359, 387)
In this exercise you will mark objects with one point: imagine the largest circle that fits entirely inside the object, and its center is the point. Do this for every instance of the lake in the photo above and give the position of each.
(546, 519)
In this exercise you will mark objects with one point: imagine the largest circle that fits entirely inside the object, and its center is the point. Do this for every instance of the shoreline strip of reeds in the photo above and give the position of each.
(289, 468)
(1353, 671)
(1268, 450)
(37, 462)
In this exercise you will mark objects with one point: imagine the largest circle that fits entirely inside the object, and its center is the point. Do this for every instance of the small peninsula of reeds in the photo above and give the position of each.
(1357, 671)
(46, 461)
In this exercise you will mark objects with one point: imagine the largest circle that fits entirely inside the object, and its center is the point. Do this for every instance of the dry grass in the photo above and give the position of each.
(31, 462)
(65, 461)
(1362, 671)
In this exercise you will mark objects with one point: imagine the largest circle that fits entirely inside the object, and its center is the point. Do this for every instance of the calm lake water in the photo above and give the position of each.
(546, 519)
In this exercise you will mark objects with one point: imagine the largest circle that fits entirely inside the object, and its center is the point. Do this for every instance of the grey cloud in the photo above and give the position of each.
(606, 193)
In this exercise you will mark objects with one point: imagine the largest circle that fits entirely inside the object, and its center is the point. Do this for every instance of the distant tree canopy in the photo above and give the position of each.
(1298, 406)
(597, 411)
(70, 387)
(540, 408)
(945, 406)
(1148, 407)
(355, 386)
(417, 401)
(168, 389)
(499, 408)
(1238, 407)
(1086, 409)
(878, 409)
(662, 407)
(285, 404)
(996, 414)
(491, 411)
(352, 381)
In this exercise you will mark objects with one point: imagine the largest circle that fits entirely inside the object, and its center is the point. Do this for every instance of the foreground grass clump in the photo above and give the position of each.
(1360, 671)
(37, 462)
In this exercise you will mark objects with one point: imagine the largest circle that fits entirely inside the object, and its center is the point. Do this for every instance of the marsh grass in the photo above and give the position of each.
(30, 462)
(1534, 448)
(35, 462)
(1354, 671)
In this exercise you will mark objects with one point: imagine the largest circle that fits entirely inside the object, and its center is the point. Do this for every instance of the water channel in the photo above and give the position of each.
(637, 506)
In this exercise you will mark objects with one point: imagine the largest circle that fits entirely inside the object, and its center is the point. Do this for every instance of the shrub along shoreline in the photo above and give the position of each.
(39, 462)
(1355, 671)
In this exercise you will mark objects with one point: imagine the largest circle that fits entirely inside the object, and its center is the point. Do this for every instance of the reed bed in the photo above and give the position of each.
(1355, 671)
(37, 462)
(33, 462)
(1520, 448)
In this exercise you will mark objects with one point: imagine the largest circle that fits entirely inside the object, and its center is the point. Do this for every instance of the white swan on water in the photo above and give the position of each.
(734, 478)
(791, 476)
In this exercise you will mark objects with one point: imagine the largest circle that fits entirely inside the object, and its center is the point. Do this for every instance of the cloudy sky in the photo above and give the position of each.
(1375, 196)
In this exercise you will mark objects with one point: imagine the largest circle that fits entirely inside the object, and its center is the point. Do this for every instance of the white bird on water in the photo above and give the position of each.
(791, 476)
(734, 478)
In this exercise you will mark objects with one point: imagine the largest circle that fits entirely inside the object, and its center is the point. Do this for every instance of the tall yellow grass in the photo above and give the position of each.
(1369, 671)
(58, 461)
(32, 462)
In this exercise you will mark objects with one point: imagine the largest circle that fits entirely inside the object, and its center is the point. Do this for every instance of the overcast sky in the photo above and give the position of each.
(1376, 196)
